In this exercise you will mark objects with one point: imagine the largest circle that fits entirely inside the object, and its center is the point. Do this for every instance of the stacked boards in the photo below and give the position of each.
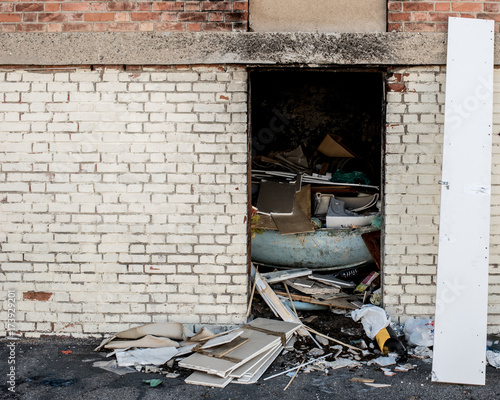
(242, 360)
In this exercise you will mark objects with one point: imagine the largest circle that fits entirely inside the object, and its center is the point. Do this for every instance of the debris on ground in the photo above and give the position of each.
(298, 342)
(422, 352)
(153, 382)
(419, 332)
(493, 358)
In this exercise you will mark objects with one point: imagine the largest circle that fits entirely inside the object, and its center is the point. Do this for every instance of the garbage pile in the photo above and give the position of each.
(294, 342)
(297, 194)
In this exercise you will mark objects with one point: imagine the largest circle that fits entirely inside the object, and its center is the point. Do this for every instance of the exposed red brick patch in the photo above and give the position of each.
(38, 296)
(397, 87)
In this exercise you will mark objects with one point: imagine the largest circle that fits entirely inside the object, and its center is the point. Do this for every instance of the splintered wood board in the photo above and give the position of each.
(463, 255)
(278, 308)
(204, 379)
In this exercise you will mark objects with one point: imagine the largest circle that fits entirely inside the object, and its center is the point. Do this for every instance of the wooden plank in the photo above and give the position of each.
(340, 303)
(278, 308)
(462, 273)
(372, 241)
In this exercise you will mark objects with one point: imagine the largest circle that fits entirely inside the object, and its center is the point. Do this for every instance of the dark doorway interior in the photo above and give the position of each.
(294, 107)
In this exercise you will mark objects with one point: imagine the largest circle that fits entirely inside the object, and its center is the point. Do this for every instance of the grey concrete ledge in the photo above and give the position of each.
(246, 48)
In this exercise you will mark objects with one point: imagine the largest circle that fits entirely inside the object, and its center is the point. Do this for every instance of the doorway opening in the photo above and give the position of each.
(317, 170)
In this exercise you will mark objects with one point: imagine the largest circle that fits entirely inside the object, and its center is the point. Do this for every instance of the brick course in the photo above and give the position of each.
(432, 16)
(123, 196)
(415, 116)
(126, 16)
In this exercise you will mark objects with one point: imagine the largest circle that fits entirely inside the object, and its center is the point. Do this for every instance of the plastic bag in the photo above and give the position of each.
(493, 358)
(419, 332)
(373, 319)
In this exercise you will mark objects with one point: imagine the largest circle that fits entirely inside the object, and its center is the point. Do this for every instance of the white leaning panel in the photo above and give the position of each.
(462, 273)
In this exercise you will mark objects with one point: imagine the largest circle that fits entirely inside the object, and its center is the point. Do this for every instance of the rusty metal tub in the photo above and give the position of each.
(324, 249)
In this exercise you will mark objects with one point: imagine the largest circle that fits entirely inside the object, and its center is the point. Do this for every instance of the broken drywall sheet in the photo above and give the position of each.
(155, 356)
(172, 330)
(146, 341)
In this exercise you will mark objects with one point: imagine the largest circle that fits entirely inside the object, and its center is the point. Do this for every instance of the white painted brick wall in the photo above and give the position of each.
(123, 194)
(415, 115)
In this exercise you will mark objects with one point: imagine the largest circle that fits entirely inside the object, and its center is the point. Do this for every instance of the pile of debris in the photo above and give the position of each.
(303, 289)
(244, 354)
(288, 188)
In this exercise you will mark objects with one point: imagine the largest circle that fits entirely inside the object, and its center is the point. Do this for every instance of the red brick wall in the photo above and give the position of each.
(119, 16)
(432, 16)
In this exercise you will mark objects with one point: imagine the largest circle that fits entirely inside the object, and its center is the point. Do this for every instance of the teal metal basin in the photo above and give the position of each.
(324, 249)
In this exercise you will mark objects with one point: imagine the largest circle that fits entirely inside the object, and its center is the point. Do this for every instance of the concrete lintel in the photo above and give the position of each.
(248, 48)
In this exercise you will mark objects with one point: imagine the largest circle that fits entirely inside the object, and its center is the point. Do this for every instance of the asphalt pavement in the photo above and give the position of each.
(61, 368)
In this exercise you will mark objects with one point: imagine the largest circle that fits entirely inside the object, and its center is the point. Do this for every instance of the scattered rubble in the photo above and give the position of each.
(297, 342)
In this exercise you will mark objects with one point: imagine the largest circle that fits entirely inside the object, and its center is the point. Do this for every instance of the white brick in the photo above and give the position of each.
(121, 207)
